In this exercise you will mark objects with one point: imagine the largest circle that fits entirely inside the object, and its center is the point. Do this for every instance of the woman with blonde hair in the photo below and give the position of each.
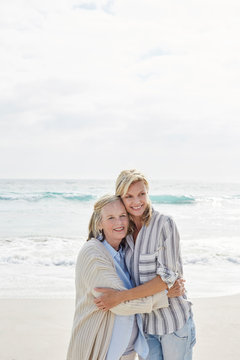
(115, 334)
(153, 256)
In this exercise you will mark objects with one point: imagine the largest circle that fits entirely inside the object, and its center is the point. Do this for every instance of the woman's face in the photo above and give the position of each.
(114, 223)
(136, 199)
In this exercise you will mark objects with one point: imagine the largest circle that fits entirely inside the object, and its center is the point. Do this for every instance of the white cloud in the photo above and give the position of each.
(129, 81)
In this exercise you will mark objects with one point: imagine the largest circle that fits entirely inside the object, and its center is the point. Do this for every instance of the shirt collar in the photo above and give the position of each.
(111, 250)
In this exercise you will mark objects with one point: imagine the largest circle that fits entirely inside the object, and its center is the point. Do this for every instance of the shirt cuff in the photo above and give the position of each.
(160, 300)
(168, 277)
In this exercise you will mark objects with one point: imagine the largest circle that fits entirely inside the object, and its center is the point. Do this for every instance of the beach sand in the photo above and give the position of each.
(37, 329)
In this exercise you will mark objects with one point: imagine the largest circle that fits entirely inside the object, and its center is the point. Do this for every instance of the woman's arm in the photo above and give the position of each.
(169, 262)
(147, 289)
(111, 297)
(98, 271)
(167, 273)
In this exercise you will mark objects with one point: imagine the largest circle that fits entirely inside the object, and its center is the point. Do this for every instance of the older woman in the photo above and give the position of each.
(152, 256)
(115, 334)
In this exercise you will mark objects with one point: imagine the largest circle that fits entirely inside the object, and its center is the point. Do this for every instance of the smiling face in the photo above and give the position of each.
(136, 199)
(114, 223)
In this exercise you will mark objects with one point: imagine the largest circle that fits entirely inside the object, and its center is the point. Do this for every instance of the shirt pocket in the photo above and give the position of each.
(147, 266)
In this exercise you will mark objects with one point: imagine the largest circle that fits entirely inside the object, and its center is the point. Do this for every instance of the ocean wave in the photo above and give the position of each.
(87, 197)
(38, 196)
(40, 250)
(212, 260)
(62, 252)
(172, 199)
(19, 259)
(233, 260)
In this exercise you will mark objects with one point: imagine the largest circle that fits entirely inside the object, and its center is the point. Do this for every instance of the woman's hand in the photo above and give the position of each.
(177, 289)
(108, 299)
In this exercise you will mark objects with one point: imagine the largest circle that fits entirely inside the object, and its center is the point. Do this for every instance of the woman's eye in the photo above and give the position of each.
(128, 197)
(123, 215)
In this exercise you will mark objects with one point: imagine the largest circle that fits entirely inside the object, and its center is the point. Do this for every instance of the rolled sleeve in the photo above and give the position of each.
(169, 255)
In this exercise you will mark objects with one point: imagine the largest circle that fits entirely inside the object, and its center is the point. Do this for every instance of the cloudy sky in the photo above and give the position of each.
(89, 88)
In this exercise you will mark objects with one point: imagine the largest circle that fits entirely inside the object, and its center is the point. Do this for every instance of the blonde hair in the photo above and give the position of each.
(123, 182)
(95, 220)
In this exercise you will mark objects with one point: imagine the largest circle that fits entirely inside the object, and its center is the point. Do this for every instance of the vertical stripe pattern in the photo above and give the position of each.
(92, 327)
(157, 251)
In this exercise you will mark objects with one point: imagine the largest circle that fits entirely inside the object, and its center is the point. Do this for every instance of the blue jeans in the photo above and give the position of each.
(175, 346)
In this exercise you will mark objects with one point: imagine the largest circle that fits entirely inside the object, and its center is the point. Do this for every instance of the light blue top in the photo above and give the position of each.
(123, 329)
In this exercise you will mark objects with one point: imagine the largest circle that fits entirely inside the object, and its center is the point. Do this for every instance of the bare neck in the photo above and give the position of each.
(138, 225)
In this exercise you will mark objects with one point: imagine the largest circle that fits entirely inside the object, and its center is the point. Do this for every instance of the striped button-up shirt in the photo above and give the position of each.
(157, 252)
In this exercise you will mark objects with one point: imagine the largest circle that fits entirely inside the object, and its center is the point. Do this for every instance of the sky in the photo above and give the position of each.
(89, 88)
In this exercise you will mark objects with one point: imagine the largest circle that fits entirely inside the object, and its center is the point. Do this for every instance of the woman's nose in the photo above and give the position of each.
(136, 201)
(119, 221)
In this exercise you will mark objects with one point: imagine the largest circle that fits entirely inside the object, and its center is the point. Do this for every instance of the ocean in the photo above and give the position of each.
(44, 224)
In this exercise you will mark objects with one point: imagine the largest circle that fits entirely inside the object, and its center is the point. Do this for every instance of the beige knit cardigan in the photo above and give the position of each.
(92, 328)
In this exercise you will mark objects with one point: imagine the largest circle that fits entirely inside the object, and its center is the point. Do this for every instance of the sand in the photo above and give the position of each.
(39, 329)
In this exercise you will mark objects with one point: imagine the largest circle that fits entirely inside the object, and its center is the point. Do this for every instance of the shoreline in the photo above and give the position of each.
(36, 329)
